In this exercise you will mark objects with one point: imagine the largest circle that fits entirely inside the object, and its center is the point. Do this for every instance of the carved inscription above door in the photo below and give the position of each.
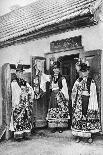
(65, 44)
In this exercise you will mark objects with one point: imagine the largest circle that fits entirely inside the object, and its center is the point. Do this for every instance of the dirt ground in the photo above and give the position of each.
(43, 142)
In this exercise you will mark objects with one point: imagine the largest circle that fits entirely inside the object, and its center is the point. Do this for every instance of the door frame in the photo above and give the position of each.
(38, 120)
(58, 54)
(7, 100)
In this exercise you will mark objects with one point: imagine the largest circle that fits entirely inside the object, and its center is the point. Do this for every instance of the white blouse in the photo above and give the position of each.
(44, 79)
(64, 89)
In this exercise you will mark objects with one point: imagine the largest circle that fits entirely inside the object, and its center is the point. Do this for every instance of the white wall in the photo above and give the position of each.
(92, 38)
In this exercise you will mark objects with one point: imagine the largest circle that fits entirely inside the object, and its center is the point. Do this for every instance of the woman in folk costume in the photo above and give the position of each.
(85, 110)
(22, 100)
(58, 112)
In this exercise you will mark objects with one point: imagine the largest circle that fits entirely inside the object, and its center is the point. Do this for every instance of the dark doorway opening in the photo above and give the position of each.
(69, 72)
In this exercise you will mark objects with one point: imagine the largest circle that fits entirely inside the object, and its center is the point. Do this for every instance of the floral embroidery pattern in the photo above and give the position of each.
(61, 112)
(22, 112)
(79, 122)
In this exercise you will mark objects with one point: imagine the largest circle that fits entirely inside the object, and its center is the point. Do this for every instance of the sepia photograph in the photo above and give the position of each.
(51, 77)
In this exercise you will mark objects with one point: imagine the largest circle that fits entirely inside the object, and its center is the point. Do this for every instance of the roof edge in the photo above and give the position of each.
(67, 25)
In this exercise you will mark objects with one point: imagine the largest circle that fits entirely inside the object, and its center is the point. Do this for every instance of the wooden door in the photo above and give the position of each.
(6, 94)
(94, 59)
(40, 105)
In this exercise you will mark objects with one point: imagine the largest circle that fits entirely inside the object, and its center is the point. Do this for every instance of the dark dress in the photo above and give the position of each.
(58, 112)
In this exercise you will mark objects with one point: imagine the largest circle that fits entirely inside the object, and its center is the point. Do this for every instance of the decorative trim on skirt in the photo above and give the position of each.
(61, 123)
(83, 133)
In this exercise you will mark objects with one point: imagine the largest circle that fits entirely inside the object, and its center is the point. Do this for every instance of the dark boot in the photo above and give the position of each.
(53, 130)
(78, 139)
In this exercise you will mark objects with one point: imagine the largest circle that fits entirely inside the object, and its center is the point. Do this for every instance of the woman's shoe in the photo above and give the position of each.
(77, 140)
(90, 140)
(27, 134)
(60, 131)
(53, 130)
(18, 135)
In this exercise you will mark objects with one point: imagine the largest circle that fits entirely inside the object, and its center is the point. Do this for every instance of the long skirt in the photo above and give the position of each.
(21, 117)
(58, 112)
(85, 122)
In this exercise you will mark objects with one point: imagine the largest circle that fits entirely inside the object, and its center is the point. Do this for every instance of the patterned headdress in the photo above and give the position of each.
(56, 64)
(19, 68)
(83, 65)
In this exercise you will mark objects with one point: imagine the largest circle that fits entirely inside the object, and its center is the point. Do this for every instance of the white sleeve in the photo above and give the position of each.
(93, 102)
(30, 90)
(16, 91)
(64, 89)
(74, 92)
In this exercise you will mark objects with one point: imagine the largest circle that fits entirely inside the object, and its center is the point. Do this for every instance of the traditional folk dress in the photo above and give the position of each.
(85, 116)
(58, 112)
(22, 100)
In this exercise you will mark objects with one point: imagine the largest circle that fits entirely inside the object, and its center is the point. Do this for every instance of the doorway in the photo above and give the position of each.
(69, 72)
